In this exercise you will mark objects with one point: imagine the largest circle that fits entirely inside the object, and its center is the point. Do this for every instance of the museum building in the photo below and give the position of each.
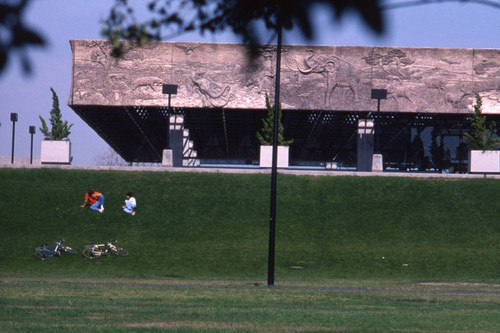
(202, 104)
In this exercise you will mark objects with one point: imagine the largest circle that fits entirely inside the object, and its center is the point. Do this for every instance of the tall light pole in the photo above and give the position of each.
(272, 217)
(32, 131)
(13, 118)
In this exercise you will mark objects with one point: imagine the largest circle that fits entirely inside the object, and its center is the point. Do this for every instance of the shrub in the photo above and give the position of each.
(60, 130)
(481, 138)
(265, 136)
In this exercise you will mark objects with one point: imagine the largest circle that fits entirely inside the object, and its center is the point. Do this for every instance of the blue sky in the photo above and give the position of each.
(447, 25)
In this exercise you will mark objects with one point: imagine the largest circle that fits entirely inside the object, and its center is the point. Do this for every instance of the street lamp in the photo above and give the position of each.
(378, 94)
(377, 163)
(169, 89)
(172, 153)
(274, 172)
(13, 118)
(32, 131)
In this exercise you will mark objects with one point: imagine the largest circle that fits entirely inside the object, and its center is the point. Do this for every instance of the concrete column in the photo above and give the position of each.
(173, 156)
(365, 143)
(167, 160)
(377, 163)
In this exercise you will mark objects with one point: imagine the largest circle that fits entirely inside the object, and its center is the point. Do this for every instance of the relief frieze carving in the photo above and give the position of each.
(210, 91)
(312, 77)
(338, 79)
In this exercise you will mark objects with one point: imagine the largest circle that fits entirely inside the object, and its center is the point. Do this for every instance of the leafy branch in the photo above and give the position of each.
(168, 18)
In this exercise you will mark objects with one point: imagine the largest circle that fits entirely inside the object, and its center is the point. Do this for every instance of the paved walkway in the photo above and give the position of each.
(244, 170)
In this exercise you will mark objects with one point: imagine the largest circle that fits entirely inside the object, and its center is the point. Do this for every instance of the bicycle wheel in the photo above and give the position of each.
(43, 254)
(68, 249)
(120, 252)
(87, 253)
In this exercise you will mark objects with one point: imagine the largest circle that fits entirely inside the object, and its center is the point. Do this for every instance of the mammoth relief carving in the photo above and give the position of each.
(339, 76)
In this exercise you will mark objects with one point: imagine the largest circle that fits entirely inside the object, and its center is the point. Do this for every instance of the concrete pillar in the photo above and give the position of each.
(377, 163)
(166, 160)
(365, 144)
(173, 156)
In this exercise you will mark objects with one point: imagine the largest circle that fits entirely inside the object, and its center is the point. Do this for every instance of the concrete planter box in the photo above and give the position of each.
(55, 152)
(266, 156)
(484, 161)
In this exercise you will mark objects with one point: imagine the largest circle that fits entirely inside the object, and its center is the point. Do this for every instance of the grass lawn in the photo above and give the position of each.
(117, 305)
(371, 235)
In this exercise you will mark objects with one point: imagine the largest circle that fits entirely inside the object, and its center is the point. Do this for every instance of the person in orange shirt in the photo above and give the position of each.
(95, 200)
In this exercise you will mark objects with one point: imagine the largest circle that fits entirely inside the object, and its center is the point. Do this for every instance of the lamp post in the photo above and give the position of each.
(32, 131)
(377, 164)
(378, 94)
(169, 89)
(13, 118)
(172, 153)
(272, 214)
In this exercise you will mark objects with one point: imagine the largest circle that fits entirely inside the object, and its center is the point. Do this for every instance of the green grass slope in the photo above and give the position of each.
(215, 226)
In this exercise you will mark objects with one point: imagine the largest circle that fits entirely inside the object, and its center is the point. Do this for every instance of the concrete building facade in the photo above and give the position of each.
(325, 96)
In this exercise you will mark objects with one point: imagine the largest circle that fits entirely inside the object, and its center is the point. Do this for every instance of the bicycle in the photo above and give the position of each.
(45, 251)
(95, 250)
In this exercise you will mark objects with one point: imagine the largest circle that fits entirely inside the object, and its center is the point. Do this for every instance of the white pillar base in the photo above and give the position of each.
(377, 163)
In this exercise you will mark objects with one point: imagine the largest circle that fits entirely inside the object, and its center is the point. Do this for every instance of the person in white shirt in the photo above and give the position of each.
(130, 204)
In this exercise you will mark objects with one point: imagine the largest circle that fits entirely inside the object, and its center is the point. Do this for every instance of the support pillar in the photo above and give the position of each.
(377, 163)
(365, 144)
(173, 156)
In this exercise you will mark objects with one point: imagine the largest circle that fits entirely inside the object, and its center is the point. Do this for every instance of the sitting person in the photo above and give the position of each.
(95, 200)
(130, 204)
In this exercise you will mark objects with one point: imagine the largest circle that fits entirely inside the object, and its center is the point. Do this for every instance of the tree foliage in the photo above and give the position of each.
(15, 36)
(173, 17)
(265, 136)
(60, 130)
(481, 138)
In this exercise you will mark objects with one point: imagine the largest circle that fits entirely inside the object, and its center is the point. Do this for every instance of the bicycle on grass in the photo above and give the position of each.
(95, 250)
(45, 251)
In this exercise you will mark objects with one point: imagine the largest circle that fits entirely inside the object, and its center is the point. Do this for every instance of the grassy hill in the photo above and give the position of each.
(215, 226)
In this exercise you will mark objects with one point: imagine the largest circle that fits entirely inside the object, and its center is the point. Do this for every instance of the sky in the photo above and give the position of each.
(442, 25)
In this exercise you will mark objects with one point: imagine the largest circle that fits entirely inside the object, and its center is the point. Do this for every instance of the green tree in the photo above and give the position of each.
(60, 130)
(481, 138)
(265, 136)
